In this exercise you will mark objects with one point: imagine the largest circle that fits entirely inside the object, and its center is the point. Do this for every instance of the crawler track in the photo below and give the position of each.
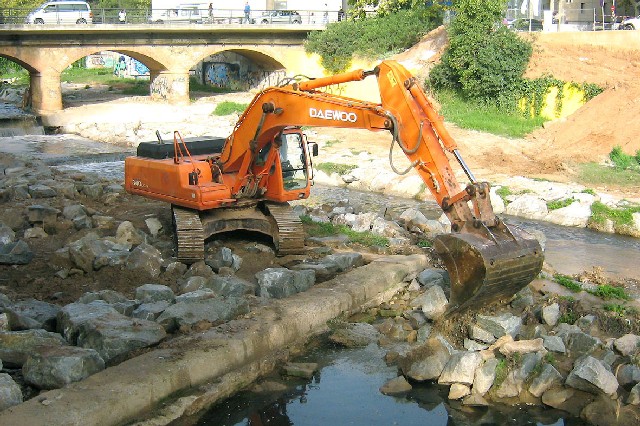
(290, 234)
(189, 235)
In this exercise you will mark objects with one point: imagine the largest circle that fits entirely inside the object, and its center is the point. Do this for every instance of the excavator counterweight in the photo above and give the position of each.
(246, 180)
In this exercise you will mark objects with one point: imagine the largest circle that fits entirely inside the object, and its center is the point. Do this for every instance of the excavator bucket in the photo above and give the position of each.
(486, 265)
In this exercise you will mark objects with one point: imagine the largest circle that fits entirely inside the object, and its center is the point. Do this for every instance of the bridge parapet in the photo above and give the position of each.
(168, 51)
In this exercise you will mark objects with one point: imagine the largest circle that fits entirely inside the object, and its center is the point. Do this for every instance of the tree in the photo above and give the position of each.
(484, 58)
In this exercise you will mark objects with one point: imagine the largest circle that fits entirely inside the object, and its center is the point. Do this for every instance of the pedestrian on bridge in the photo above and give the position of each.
(247, 13)
(122, 16)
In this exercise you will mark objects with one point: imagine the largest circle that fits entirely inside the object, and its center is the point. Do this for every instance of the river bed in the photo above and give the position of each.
(568, 250)
(345, 391)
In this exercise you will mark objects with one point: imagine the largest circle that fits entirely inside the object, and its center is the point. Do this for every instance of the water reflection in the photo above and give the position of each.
(345, 392)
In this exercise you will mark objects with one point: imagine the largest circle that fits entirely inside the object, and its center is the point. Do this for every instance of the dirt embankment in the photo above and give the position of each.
(608, 59)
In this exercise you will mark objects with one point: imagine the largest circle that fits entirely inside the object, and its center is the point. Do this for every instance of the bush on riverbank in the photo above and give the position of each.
(228, 107)
(372, 37)
(321, 229)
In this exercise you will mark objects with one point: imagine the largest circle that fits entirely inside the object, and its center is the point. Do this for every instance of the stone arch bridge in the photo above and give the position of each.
(168, 51)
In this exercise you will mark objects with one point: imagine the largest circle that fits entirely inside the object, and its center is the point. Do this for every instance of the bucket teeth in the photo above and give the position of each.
(485, 269)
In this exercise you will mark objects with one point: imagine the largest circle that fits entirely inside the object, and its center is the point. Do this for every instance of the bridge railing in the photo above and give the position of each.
(193, 15)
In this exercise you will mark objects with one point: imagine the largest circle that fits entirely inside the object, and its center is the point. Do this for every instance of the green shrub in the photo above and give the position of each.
(620, 216)
(138, 87)
(623, 161)
(607, 292)
(325, 229)
(567, 282)
(227, 108)
(484, 58)
(371, 38)
(617, 309)
(504, 192)
(424, 243)
(568, 317)
(558, 204)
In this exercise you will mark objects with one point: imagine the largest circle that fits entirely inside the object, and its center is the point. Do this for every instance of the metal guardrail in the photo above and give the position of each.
(190, 15)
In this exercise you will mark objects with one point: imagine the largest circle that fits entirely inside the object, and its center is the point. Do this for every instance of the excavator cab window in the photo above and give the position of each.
(293, 161)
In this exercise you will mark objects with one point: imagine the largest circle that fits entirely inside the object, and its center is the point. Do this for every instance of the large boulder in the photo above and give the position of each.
(428, 361)
(148, 293)
(16, 253)
(230, 286)
(590, 375)
(355, 335)
(500, 325)
(41, 191)
(213, 310)
(127, 234)
(548, 378)
(56, 366)
(151, 310)
(485, 376)
(90, 252)
(16, 346)
(460, 368)
(114, 336)
(73, 315)
(7, 235)
(147, 258)
(576, 214)
(282, 282)
(10, 393)
(528, 206)
(435, 302)
(629, 344)
(31, 313)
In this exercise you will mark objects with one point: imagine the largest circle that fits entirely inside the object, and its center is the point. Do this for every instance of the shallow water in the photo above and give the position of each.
(15, 122)
(568, 250)
(345, 391)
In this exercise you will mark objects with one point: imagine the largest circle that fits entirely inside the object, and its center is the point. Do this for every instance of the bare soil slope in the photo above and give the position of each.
(611, 119)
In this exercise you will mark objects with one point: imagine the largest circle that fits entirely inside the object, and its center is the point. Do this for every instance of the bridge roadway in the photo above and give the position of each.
(169, 51)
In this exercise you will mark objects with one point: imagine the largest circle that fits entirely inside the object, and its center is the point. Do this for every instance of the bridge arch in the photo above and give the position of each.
(168, 51)
(240, 68)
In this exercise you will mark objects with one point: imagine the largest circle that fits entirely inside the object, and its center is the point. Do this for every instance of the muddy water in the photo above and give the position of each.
(345, 391)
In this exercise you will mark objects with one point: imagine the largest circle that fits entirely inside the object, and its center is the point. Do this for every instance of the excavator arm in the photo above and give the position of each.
(247, 183)
(486, 259)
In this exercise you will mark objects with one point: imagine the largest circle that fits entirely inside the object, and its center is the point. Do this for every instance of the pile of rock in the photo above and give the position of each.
(500, 359)
(54, 346)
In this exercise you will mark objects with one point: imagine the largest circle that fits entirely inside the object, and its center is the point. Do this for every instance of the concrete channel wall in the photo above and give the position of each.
(232, 355)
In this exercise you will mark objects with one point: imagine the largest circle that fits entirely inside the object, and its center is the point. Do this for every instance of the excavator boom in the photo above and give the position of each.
(486, 258)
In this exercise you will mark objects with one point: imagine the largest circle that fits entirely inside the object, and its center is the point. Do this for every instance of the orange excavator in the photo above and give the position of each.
(246, 180)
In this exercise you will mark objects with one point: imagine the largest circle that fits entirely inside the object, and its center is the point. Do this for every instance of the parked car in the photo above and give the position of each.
(524, 24)
(630, 23)
(61, 12)
(183, 14)
(280, 17)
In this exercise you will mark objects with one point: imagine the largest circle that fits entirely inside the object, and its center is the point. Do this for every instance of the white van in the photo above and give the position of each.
(61, 12)
(182, 13)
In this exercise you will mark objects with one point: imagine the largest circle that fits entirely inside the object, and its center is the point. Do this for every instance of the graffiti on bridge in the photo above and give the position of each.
(229, 75)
